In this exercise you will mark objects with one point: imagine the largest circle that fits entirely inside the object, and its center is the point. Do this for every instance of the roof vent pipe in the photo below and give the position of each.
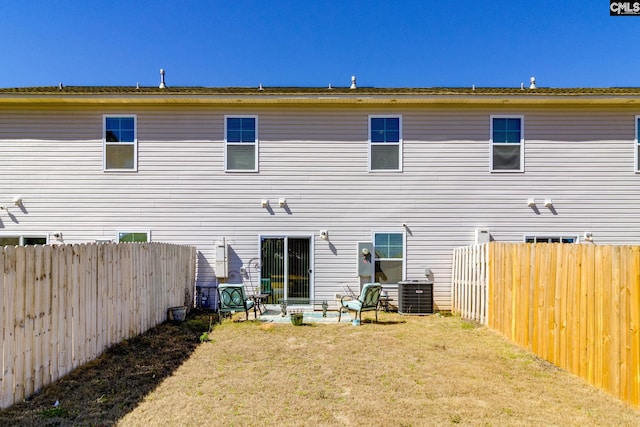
(533, 83)
(162, 84)
(353, 82)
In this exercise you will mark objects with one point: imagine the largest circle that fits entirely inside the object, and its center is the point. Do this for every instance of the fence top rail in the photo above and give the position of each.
(474, 245)
(98, 244)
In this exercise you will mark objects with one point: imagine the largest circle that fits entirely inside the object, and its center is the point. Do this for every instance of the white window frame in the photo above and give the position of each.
(636, 148)
(404, 251)
(138, 231)
(535, 236)
(255, 143)
(399, 143)
(21, 237)
(134, 143)
(491, 143)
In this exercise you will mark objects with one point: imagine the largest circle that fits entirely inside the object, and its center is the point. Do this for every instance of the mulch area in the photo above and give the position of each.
(102, 391)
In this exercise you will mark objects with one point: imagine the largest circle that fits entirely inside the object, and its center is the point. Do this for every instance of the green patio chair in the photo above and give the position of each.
(231, 298)
(367, 301)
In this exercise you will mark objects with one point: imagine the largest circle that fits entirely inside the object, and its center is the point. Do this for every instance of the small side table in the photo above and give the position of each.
(384, 302)
(257, 300)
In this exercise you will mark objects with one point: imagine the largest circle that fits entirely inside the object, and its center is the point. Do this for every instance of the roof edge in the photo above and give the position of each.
(75, 95)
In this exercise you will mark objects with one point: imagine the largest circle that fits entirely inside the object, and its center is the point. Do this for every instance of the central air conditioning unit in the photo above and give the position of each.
(415, 297)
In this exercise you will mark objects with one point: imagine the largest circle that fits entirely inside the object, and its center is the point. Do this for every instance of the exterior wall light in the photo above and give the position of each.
(282, 202)
(264, 203)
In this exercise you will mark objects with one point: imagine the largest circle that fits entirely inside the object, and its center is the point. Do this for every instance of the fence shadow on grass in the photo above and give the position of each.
(106, 389)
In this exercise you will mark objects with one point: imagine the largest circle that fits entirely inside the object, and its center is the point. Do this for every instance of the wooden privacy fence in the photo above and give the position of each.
(575, 305)
(469, 291)
(62, 306)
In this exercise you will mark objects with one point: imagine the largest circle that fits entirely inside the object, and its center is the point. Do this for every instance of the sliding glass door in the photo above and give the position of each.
(286, 263)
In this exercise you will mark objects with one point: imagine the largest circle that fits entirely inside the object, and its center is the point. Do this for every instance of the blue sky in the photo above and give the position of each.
(499, 43)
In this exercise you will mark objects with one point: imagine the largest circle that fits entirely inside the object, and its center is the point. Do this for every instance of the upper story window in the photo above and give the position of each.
(637, 145)
(385, 143)
(120, 143)
(507, 143)
(241, 142)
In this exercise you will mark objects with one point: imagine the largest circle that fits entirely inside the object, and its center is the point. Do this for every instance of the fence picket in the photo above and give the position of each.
(48, 311)
(9, 329)
(29, 328)
(40, 331)
(634, 331)
(613, 355)
(55, 317)
(19, 339)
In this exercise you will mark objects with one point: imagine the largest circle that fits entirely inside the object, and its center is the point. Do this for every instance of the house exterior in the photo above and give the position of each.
(318, 189)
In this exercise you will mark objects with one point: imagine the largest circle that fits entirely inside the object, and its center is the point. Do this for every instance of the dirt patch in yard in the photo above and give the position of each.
(104, 390)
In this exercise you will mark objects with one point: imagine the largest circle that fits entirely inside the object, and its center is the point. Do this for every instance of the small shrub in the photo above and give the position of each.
(57, 412)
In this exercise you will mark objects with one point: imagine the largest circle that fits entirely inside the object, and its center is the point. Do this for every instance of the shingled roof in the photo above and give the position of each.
(327, 96)
(315, 91)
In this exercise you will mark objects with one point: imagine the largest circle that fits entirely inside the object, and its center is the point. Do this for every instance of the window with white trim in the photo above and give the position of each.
(551, 239)
(637, 146)
(241, 143)
(133, 236)
(389, 257)
(19, 240)
(385, 143)
(120, 143)
(507, 143)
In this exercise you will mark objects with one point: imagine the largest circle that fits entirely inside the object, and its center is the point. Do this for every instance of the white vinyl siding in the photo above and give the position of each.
(507, 143)
(120, 143)
(315, 157)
